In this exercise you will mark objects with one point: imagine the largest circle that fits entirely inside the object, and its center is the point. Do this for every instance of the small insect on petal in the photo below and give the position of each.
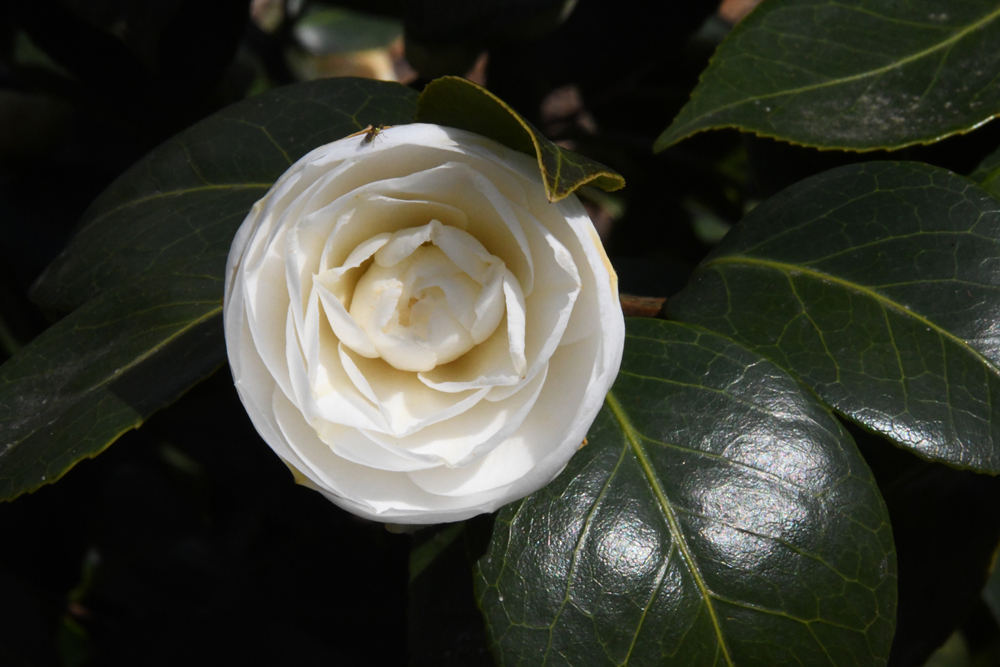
(370, 133)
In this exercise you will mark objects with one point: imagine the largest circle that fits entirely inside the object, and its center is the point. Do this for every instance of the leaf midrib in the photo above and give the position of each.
(869, 73)
(633, 437)
(137, 361)
(885, 302)
(176, 193)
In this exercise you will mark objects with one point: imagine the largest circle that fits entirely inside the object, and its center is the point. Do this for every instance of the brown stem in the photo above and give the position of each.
(641, 306)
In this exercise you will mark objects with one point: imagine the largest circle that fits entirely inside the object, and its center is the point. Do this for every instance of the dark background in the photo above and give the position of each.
(186, 542)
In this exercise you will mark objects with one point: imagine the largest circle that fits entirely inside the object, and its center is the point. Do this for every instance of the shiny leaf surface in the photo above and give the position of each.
(861, 74)
(455, 102)
(143, 276)
(877, 285)
(718, 515)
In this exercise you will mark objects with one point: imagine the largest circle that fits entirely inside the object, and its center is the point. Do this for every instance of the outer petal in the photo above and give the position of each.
(470, 435)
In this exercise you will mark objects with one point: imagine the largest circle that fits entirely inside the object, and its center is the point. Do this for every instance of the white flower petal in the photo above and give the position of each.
(489, 364)
(470, 434)
(372, 213)
(515, 322)
(414, 329)
(554, 428)
(408, 404)
(346, 329)
(361, 489)
(320, 385)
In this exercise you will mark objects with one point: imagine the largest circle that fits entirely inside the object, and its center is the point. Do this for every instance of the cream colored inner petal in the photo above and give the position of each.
(321, 387)
(336, 288)
(405, 402)
(377, 210)
(341, 280)
(368, 214)
(535, 322)
(516, 317)
(312, 227)
(420, 305)
(345, 328)
(464, 189)
(471, 434)
(488, 364)
(545, 429)
(497, 226)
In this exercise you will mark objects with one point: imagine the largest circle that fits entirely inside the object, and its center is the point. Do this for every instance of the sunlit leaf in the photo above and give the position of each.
(718, 515)
(877, 284)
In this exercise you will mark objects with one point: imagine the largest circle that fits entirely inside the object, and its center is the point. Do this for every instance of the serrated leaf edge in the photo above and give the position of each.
(664, 141)
(552, 190)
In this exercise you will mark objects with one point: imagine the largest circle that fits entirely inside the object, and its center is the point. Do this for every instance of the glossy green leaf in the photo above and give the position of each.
(987, 174)
(718, 515)
(860, 74)
(878, 285)
(456, 102)
(143, 276)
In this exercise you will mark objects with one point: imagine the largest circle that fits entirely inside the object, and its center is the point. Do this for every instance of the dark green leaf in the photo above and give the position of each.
(987, 174)
(877, 284)
(102, 370)
(719, 515)
(456, 102)
(187, 197)
(860, 74)
(144, 274)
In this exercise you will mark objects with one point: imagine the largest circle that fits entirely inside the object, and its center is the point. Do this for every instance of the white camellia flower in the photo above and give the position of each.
(415, 329)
